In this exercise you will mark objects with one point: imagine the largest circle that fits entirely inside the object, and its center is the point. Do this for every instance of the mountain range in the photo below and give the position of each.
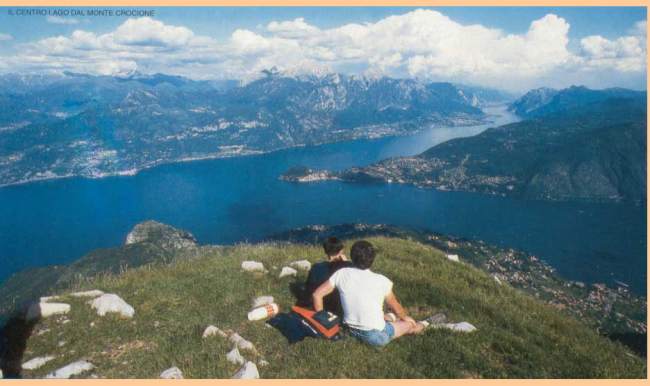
(54, 126)
(575, 144)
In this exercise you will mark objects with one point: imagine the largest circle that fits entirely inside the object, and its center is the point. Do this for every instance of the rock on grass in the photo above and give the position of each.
(287, 271)
(172, 373)
(44, 310)
(87, 294)
(74, 368)
(301, 264)
(241, 343)
(247, 371)
(212, 331)
(235, 357)
(253, 266)
(112, 303)
(37, 362)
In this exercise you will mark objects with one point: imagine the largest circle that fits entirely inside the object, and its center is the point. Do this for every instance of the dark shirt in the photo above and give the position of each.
(318, 274)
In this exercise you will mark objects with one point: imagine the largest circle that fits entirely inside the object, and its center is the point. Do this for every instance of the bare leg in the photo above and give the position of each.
(405, 328)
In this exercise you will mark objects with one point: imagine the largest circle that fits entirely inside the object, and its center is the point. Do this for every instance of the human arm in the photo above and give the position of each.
(397, 308)
(323, 290)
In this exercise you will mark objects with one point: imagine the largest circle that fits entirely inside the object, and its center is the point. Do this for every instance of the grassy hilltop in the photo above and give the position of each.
(518, 336)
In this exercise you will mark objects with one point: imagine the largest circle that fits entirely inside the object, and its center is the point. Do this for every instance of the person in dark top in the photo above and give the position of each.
(321, 272)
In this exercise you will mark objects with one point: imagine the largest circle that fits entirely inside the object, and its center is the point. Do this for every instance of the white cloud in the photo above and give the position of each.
(5, 37)
(146, 31)
(61, 20)
(422, 43)
(624, 54)
(292, 29)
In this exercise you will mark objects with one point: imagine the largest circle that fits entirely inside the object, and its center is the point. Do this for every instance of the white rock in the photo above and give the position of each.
(87, 294)
(253, 266)
(61, 343)
(241, 343)
(37, 362)
(172, 373)
(213, 330)
(112, 303)
(496, 278)
(453, 258)
(235, 357)
(74, 368)
(262, 301)
(248, 371)
(288, 271)
(301, 264)
(46, 299)
(263, 363)
(459, 327)
(44, 310)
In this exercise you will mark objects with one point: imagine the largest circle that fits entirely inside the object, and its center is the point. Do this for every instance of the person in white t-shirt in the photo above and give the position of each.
(363, 294)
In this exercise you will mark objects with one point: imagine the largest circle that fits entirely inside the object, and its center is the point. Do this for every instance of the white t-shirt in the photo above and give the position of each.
(362, 296)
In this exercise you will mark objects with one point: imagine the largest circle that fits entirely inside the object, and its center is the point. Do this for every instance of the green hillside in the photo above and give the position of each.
(517, 337)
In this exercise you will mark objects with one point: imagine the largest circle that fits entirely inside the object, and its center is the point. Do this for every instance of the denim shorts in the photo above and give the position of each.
(376, 338)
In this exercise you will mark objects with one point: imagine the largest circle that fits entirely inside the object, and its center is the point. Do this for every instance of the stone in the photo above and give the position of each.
(288, 271)
(241, 343)
(247, 371)
(74, 368)
(458, 327)
(235, 357)
(87, 294)
(453, 258)
(496, 278)
(172, 373)
(253, 266)
(301, 264)
(262, 301)
(212, 331)
(44, 310)
(37, 362)
(46, 299)
(263, 363)
(112, 303)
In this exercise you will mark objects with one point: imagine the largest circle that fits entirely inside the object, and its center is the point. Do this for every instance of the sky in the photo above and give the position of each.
(512, 48)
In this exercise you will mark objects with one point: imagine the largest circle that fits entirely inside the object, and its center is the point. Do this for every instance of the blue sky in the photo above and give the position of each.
(508, 46)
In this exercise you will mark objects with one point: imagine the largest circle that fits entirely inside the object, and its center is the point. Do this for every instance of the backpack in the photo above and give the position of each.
(324, 322)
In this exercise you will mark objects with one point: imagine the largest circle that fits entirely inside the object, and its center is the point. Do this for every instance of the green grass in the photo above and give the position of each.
(517, 337)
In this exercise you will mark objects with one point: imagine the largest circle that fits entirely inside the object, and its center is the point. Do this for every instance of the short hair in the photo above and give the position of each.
(363, 254)
(332, 246)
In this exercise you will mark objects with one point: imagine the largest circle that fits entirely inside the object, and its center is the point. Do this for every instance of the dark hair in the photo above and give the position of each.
(332, 246)
(363, 254)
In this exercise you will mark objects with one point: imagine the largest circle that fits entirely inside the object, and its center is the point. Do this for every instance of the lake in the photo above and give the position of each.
(224, 201)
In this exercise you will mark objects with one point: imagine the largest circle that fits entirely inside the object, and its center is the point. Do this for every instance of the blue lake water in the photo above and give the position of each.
(240, 199)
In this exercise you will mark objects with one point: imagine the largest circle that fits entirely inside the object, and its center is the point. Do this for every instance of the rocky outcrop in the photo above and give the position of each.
(165, 236)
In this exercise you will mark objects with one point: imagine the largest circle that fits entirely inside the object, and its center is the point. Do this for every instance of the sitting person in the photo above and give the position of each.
(363, 294)
(320, 272)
